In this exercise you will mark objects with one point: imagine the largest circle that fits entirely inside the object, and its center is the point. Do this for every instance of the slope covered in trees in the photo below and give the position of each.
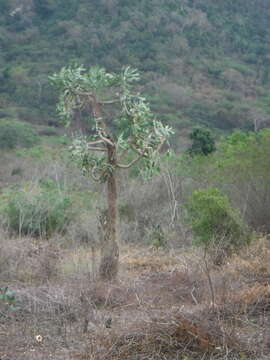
(205, 61)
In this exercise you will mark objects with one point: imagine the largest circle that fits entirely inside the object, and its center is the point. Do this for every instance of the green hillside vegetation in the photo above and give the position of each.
(16, 133)
(204, 62)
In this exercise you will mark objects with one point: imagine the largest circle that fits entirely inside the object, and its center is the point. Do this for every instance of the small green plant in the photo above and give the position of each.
(157, 237)
(214, 222)
(8, 297)
(35, 152)
(16, 134)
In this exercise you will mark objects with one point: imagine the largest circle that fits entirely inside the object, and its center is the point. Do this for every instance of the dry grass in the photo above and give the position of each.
(74, 263)
(28, 261)
(176, 338)
(159, 308)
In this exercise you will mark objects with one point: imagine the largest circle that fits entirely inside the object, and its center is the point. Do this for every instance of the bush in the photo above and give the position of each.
(16, 133)
(37, 210)
(203, 142)
(214, 221)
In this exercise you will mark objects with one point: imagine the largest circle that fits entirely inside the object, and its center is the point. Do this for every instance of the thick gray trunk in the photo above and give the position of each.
(109, 250)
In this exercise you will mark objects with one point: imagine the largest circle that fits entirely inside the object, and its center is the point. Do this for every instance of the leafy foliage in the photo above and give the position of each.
(214, 221)
(203, 142)
(141, 134)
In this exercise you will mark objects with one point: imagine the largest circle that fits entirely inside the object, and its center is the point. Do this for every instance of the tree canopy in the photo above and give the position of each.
(133, 129)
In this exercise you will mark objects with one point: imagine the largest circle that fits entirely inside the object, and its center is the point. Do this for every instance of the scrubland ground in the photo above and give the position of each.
(161, 307)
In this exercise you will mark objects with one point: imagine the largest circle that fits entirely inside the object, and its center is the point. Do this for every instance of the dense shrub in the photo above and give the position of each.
(203, 142)
(214, 221)
(37, 210)
(16, 133)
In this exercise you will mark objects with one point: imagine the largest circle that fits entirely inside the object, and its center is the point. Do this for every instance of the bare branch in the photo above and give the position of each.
(96, 142)
(160, 145)
(108, 102)
(94, 177)
(92, 96)
(106, 140)
(141, 153)
(122, 166)
(88, 94)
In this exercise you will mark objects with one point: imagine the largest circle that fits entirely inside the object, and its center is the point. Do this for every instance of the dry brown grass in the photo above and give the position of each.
(28, 261)
(159, 308)
(252, 263)
(166, 336)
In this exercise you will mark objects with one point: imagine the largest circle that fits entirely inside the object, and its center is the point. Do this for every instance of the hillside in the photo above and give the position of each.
(204, 61)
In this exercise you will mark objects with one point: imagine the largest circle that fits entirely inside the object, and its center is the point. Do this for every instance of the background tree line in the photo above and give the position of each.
(204, 62)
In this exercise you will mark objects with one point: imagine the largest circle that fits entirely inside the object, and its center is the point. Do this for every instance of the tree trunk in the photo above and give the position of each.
(109, 248)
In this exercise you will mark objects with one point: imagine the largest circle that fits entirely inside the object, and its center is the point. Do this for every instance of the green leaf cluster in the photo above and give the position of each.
(214, 221)
(90, 164)
(203, 142)
(140, 132)
(9, 298)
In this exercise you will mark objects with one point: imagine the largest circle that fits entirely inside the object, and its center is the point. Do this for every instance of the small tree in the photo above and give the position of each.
(214, 222)
(203, 142)
(133, 130)
(216, 227)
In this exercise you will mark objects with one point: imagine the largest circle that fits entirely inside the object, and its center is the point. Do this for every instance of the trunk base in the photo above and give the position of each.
(108, 268)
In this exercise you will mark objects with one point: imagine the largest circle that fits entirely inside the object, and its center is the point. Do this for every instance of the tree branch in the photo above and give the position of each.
(108, 102)
(122, 166)
(88, 94)
(95, 142)
(141, 153)
(105, 139)
(160, 145)
(94, 177)
(91, 95)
